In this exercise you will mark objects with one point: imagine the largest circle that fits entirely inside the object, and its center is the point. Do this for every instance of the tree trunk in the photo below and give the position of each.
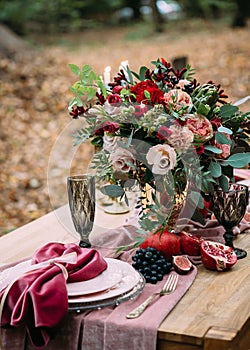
(243, 12)
(10, 43)
(158, 19)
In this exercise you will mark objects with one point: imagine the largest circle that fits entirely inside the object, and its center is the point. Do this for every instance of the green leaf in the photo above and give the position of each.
(213, 149)
(72, 103)
(228, 111)
(112, 190)
(147, 94)
(129, 75)
(142, 72)
(215, 169)
(223, 181)
(225, 130)
(238, 160)
(74, 69)
(197, 199)
(203, 109)
(86, 70)
(91, 93)
(222, 139)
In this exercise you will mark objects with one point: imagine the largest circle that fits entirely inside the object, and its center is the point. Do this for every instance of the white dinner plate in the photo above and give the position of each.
(129, 278)
(107, 279)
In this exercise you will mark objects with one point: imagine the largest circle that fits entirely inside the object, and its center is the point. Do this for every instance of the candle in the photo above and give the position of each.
(106, 75)
(124, 67)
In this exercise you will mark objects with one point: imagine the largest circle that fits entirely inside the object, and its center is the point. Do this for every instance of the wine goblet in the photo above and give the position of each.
(229, 208)
(81, 196)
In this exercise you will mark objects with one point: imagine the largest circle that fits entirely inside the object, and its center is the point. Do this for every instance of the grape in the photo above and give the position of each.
(151, 264)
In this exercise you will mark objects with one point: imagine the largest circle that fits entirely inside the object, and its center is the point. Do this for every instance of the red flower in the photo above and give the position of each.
(77, 111)
(114, 98)
(117, 89)
(163, 133)
(216, 123)
(108, 127)
(156, 94)
(140, 110)
(200, 150)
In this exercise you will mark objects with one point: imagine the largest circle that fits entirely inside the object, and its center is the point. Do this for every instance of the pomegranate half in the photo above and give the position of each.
(217, 256)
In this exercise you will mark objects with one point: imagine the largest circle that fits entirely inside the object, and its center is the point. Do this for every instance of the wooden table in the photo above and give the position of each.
(213, 314)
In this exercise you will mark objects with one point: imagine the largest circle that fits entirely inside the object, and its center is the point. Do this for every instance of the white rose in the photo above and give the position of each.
(112, 108)
(121, 160)
(109, 142)
(162, 157)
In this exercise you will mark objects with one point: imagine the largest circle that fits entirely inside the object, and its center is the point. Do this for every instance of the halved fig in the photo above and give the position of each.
(217, 256)
(182, 264)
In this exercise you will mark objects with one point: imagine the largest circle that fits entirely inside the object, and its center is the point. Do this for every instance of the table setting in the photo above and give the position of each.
(173, 142)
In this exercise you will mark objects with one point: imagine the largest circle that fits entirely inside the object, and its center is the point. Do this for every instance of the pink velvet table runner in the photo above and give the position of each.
(106, 328)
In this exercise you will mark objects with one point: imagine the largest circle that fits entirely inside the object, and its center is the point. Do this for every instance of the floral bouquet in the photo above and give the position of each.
(160, 128)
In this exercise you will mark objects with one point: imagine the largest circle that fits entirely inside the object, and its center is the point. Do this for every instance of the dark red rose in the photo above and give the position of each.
(77, 111)
(101, 98)
(163, 133)
(156, 95)
(114, 98)
(108, 127)
(216, 123)
(140, 110)
(117, 89)
(200, 150)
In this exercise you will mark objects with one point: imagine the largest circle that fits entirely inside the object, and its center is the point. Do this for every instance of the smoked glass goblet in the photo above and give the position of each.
(81, 196)
(229, 208)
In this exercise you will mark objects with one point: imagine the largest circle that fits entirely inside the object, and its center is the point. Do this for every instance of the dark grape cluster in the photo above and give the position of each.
(151, 264)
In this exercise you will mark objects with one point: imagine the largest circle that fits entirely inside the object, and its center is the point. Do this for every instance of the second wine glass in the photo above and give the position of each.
(81, 196)
(229, 208)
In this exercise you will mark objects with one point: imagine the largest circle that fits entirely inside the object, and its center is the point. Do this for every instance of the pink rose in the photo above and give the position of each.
(176, 99)
(121, 160)
(182, 82)
(163, 133)
(200, 127)
(225, 148)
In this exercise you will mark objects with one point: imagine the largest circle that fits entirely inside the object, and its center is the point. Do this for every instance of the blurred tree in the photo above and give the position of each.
(206, 8)
(157, 17)
(135, 5)
(242, 13)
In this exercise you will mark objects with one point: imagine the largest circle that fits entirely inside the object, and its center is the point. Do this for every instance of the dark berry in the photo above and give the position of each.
(151, 264)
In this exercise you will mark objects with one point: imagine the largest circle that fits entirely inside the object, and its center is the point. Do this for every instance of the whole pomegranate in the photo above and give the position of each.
(190, 244)
(217, 256)
(166, 242)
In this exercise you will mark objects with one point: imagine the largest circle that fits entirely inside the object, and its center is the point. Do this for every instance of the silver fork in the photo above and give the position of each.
(168, 288)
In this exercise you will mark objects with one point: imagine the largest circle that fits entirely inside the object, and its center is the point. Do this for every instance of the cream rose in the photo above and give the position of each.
(162, 158)
(121, 160)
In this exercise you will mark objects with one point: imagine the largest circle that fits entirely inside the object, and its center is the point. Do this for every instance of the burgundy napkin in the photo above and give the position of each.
(38, 300)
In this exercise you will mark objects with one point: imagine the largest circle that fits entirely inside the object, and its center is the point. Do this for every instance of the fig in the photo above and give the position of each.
(217, 256)
(182, 264)
(190, 244)
(165, 242)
